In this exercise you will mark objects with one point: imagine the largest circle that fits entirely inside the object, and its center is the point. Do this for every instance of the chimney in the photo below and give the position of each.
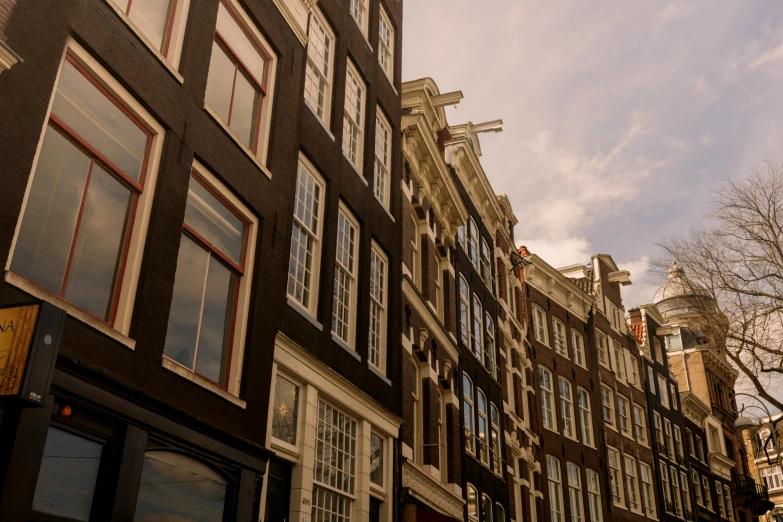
(523, 251)
(636, 315)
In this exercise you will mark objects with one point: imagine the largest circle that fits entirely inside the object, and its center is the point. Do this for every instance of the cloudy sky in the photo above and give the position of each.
(619, 117)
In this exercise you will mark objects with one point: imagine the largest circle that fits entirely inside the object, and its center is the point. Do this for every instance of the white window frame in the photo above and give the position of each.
(264, 127)
(482, 434)
(602, 347)
(388, 47)
(439, 304)
(663, 391)
(467, 400)
(311, 306)
(377, 255)
(667, 432)
(127, 286)
(615, 477)
(177, 21)
(565, 389)
(594, 496)
(576, 500)
(618, 361)
(579, 349)
(667, 492)
(242, 310)
(540, 332)
(585, 416)
(274, 441)
(611, 421)
(686, 495)
(673, 396)
(477, 327)
(418, 415)
(360, 12)
(352, 74)
(674, 477)
(634, 371)
(547, 395)
(318, 22)
(729, 506)
(559, 341)
(651, 379)
(382, 167)
(678, 449)
(624, 427)
(632, 484)
(464, 318)
(353, 278)
(705, 483)
(415, 240)
(647, 490)
(555, 489)
(640, 427)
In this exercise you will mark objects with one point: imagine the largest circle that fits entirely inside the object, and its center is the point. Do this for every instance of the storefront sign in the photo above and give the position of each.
(29, 343)
(17, 325)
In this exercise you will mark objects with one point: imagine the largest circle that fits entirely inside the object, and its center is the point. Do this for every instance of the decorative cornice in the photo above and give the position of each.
(549, 281)
(424, 487)
(425, 313)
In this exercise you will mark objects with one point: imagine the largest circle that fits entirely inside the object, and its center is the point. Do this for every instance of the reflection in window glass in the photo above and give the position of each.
(376, 459)
(176, 487)
(69, 471)
(286, 410)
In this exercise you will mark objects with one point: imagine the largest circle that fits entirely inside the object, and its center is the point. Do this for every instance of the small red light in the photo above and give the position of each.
(65, 411)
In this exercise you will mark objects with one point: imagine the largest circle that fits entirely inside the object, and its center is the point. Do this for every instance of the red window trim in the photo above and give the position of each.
(164, 50)
(261, 84)
(234, 306)
(136, 188)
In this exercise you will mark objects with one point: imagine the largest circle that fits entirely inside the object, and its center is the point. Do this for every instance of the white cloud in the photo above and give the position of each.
(767, 57)
(706, 139)
(559, 252)
(675, 10)
(643, 288)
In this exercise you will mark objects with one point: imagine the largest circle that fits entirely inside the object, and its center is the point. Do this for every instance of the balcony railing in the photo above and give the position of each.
(745, 486)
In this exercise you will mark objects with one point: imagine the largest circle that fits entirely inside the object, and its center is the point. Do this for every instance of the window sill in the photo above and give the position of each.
(379, 491)
(377, 372)
(356, 169)
(133, 27)
(391, 82)
(385, 209)
(283, 447)
(621, 506)
(345, 347)
(78, 314)
(318, 118)
(236, 139)
(201, 381)
(304, 313)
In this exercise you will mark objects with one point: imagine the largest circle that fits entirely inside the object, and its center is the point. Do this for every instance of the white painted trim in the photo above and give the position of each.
(236, 139)
(77, 313)
(245, 284)
(293, 12)
(204, 383)
(127, 288)
(175, 43)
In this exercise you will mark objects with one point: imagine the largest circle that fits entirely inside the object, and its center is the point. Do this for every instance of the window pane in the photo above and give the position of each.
(212, 355)
(69, 471)
(244, 111)
(286, 410)
(220, 82)
(100, 122)
(182, 333)
(213, 221)
(240, 44)
(376, 459)
(151, 17)
(45, 235)
(98, 250)
(175, 487)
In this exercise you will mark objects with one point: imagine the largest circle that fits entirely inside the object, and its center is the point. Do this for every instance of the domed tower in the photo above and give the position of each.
(679, 297)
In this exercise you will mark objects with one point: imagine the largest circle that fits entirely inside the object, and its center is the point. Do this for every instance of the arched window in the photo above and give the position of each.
(577, 341)
(555, 483)
(486, 267)
(593, 496)
(500, 513)
(472, 502)
(574, 491)
(547, 400)
(489, 352)
(177, 487)
(467, 408)
(539, 325)
(481, 400)
(585, 416)
(486, 508)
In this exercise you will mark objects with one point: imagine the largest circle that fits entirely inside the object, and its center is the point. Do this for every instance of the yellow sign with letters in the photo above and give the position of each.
(17, 326)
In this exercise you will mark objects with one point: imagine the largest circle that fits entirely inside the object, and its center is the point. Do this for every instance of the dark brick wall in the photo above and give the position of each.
(38, 33)
(343, 184)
